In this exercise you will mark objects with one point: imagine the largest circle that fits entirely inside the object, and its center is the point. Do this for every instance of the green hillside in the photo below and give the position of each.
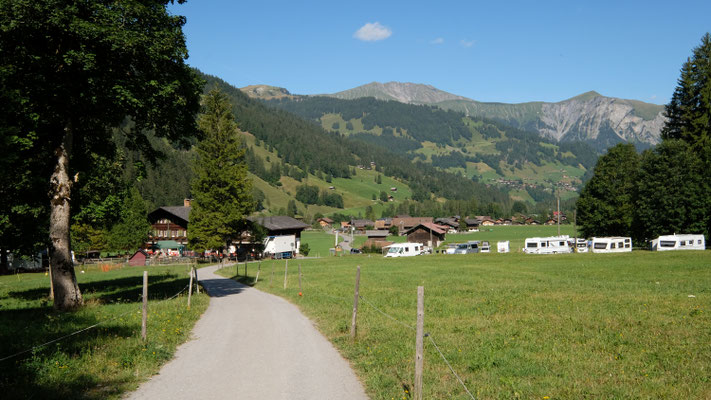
(476, 148)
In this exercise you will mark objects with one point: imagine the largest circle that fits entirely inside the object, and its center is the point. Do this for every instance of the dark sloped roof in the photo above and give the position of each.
(178, 211)
(428, 226)
(279, 222)
(376, 233)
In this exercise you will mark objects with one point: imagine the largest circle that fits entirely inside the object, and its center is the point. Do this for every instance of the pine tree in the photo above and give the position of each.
(131, 232)
(606, 203)
(222, 192)
(689, 111)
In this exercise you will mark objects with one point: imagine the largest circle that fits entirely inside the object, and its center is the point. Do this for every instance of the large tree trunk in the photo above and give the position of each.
(66, 291)
(3, 262)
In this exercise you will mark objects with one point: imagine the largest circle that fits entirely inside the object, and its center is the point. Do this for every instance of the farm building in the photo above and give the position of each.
(138, 258)
(383, 223)
(169, 224)
(376, 235)
(281, 226)
(429, 234)
(405, 223)
(325, 222)
(362, 224)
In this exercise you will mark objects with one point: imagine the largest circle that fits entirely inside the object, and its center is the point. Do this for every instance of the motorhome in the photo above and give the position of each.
(611, 245)
(485, 247)
(280, 246)
(404, 249)
(580, 245)
(547, 245)
(502, 246)
(679, 242)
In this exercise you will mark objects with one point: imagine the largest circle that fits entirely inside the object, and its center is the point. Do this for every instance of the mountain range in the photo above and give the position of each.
(598, 120)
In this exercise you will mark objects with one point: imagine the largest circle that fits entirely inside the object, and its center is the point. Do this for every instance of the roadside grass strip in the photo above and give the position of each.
(632, 325)
(95, 352)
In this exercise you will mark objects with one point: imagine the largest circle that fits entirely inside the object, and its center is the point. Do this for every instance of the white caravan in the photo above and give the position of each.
(581, 246)
(547, 245)
(485, 247)
(503, 246)
(679, 242)
(611, 245)
(280, 246)
(404, 249)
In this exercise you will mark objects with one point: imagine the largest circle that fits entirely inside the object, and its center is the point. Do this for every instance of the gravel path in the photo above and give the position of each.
(252, 345)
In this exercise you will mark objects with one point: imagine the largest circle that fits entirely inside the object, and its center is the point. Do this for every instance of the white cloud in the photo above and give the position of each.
(372, 32)
(653, 97)
(439, 40)
(467, 43)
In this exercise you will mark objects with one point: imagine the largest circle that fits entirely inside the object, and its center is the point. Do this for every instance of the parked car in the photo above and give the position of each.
(355, 251)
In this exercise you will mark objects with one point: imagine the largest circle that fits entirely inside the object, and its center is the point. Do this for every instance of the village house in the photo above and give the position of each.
(383, 223)
(376, 235)
(281, 225)
(451, 223)
(404, 223)
(362, 224)
(429, 234)
(472, 224)
(169, 228)
(325, 222)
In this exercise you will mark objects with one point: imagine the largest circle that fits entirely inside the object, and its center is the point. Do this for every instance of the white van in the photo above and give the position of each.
(404, 249)
(679, 242)
(547, 245)
(611, 244)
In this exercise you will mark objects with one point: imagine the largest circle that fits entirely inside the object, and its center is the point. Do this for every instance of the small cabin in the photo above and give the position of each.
(611, 245)
(679, 242)
(547, 245)
(138, 258)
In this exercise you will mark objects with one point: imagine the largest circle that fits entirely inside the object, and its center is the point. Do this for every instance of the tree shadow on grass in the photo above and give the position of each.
(116, 290)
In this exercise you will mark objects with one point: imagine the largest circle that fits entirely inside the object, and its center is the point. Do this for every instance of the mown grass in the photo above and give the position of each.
(103, 362)
(518, 326)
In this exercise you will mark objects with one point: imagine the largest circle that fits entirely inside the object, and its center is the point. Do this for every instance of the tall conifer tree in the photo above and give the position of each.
(221, 189)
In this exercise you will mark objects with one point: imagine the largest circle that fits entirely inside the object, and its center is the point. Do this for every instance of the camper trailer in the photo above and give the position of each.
(404, 249)
(280, 246)
(503, 246)
(580, 245)
(485, 247)
(611, 244)
(679, 242)
(547, 245)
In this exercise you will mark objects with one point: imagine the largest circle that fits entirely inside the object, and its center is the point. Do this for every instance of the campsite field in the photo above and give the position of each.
(633, 325)
(102, 362)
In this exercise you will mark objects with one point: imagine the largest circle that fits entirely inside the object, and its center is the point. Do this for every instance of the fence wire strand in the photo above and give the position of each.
(37, 347)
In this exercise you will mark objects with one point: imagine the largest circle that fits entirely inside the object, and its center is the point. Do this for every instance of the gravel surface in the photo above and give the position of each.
(252, 345)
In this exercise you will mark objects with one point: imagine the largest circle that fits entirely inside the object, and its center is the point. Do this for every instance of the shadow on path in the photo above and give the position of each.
(222, 287)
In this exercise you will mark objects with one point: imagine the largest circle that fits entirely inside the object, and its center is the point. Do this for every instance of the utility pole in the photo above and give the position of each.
(558, 213)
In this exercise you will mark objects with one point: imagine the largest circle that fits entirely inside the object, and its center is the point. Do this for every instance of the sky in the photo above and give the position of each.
(511, 52)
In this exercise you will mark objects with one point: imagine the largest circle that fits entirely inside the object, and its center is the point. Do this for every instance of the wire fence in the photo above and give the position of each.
(40, 346)
(348, 302)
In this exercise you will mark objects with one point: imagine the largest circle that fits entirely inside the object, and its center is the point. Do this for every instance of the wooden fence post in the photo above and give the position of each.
(259, 269)
(197, 281)
(299, 277)
(272, 277)
(356, 295)
(145, 306)
(190, 288)
(286, 268)
(419, 345)
(245, 269)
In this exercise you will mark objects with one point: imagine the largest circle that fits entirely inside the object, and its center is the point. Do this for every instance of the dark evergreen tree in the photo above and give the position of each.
(222, 192)
(672, 195)
(606, 203)
(131, 232)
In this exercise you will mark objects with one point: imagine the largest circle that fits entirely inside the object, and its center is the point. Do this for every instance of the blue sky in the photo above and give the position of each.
(510, 52)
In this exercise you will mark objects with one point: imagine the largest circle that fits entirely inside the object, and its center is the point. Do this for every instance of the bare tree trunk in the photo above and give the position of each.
(66, 291)
(4, 269)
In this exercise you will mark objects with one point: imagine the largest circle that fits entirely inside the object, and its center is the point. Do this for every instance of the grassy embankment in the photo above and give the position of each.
(568, 326)
(103, 362)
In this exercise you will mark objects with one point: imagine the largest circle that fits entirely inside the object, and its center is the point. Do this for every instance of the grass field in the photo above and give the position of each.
(567, 326)
(103, 362)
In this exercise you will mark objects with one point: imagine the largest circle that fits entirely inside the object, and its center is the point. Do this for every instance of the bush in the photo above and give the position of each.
(304, 249)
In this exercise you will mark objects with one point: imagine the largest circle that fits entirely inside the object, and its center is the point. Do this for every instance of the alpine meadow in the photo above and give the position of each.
(220, 200)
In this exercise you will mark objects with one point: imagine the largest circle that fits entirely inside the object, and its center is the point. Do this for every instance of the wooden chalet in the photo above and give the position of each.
(325, 222)
(376, 235)
(429, 234)
(362, 224)
(169, 223)
(406, 223)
